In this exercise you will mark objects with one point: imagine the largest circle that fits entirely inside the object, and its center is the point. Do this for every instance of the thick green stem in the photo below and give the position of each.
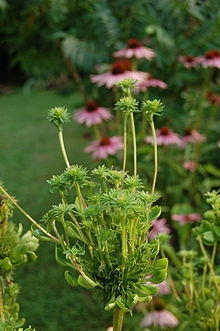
(118, 318)
(63, 150)
(155, 155)
(134, 143)
(125, 142)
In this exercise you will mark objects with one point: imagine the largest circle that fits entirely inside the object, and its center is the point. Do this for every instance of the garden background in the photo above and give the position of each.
(49, 49)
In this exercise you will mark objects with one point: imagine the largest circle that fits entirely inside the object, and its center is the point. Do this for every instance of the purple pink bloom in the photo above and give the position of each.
(100, 149)
(211, 59)
(189, 61)
(149, 81)
(159, 318)
(135, 49)
(120, 70)
(159, 226)
(190, 165)
(186, 218)
(92, 114)
(192, 136)
(165, 136)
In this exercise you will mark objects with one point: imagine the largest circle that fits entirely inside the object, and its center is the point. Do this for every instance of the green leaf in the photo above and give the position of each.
(72, 230)
(121, 304)
(70, 278)
(154, 213)
(86, 282)
(61, 257)
(39, 234)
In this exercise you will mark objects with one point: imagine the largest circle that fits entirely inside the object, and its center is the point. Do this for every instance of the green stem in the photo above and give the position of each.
(28, 216)
(155, 154)
(134, 143)
(118, 317)
(212, 271)
(125, 141)
(63, 149)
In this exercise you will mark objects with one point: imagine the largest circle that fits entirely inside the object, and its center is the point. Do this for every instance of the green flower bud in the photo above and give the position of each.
(58, 116)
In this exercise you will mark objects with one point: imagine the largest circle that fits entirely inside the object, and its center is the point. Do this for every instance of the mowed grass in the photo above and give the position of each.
(30, 154)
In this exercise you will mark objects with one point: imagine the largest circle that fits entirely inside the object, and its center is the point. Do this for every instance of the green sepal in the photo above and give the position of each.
(86, 282)
(61, 257)
(70, 278)
(147, 298)
(121, 304)
(154, 213)
(72, 230)
(111, 304)
(159, 271)
(39, 234)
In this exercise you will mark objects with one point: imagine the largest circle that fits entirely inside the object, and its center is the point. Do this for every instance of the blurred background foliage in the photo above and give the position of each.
(57, 44)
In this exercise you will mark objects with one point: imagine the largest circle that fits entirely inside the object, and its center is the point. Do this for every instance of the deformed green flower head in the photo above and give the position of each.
(127, 85)
(58, 116)
(152, 107)
(127, 104)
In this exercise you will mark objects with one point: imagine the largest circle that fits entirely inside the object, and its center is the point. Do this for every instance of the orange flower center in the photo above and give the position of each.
(164, 131)
(212, 54)
(104, 141)
(120, 66)
(188, 132)
(91, 106)
(133, 43)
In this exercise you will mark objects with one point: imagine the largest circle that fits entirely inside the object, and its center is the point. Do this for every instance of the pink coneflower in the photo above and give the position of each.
(119, 70)
(211, 59)
(192, 136)
(186, 218)
(135, 49)
(92, 114)
(189, 61)
(218, 144)
(100, 149)
(165, 136)
(190, 165)
(149, 81)
(159, 226)
(160, 318)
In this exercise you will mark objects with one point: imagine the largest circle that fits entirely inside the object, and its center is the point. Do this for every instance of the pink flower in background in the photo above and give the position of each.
(192, 136)
(213, 98)
(159, 226)
(211, 59)
(159, 318)
(189, 61)
(165, 136)
(190, 165)
(149, 81)
(100, 149)
(135, 49)
(218, 144)
(119, 70)
(92, 114)
(186, 218)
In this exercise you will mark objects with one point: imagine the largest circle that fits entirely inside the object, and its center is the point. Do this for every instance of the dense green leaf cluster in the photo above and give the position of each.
(104, 234)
